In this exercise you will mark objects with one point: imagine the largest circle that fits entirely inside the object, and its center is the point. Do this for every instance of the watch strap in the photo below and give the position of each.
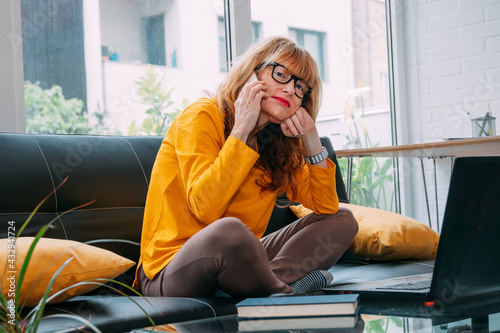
(317, 158)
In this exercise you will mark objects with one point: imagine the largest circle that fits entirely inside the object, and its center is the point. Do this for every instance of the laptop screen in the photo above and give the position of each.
(468, 258)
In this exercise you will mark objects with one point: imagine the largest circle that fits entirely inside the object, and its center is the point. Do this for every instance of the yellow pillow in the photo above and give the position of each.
(385, 235)
(89, 262)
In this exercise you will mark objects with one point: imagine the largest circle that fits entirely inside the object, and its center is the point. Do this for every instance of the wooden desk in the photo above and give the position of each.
(489, 145)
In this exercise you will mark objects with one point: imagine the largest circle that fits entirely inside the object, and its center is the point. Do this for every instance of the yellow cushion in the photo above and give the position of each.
(385, 235)
(89, 262)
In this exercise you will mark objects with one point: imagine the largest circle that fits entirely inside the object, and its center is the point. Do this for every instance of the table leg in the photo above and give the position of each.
(349, 177)
(480, 324)
(425, 191)
(436, 195)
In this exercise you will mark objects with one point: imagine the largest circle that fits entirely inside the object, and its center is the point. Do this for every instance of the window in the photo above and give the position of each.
(256, 27)
(114, 40)
(351, 59)
(155, 40)
(256, 31)
(116, 66)
(312, 41)
(53, 48)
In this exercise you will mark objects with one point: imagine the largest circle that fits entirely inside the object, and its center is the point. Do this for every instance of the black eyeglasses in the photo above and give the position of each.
(281, 75)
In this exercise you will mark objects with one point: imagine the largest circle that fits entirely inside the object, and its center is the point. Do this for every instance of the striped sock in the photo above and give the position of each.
(316, 280)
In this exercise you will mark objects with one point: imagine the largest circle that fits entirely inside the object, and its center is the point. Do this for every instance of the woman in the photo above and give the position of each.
(216, 178)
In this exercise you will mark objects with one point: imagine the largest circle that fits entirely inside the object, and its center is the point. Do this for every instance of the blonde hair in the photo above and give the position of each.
(285, 156)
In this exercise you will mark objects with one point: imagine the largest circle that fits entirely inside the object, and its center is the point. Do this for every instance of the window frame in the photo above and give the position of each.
(238, 24)
(12, 118)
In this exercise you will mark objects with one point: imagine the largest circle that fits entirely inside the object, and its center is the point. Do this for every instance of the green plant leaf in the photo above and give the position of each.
(41, 305)
(159, 103)
(386, 166)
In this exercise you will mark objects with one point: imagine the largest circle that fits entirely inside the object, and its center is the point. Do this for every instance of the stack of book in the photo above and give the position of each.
(298, 312)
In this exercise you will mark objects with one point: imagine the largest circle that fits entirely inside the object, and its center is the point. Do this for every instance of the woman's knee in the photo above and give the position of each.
(232, 234)
(348, 220)
(343, 221)
(229, 226)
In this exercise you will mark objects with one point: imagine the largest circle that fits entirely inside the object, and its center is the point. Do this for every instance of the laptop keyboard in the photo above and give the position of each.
(418, 285)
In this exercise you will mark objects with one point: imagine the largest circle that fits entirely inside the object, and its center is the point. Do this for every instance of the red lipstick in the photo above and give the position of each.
(282, 101)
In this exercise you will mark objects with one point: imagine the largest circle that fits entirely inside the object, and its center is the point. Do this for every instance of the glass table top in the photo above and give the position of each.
(367, 323)
(374, 317)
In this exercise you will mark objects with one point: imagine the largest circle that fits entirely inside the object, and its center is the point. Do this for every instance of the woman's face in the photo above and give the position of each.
(282, 101)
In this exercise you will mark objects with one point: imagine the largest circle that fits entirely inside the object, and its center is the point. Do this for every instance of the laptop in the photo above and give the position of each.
(467, 264)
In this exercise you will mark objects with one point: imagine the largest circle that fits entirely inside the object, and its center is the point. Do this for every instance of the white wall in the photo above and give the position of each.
(453, 65)
(452, 56)
(121, 29)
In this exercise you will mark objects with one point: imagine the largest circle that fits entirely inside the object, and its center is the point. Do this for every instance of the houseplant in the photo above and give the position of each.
(369, 176)
(160, 110)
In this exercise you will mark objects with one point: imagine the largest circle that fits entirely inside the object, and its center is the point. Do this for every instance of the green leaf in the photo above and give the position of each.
(159, 103)
(385, 167)
(169, 93)
(41, 304)
(153, 111)
(397, 321)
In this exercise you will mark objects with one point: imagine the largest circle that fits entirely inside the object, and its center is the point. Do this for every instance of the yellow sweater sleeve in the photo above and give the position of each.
(316, 188)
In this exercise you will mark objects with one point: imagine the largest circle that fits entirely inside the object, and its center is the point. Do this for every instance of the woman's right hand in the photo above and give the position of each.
(247, 109)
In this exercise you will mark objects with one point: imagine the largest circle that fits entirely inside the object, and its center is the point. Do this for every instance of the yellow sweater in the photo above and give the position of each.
(199, 177)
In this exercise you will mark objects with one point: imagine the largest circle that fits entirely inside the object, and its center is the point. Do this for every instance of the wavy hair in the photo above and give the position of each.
(280, 156)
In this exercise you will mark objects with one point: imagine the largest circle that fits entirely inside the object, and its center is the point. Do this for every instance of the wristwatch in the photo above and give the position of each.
(317, 158)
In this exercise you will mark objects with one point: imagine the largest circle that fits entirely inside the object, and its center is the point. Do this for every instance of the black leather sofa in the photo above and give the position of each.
(115, 172)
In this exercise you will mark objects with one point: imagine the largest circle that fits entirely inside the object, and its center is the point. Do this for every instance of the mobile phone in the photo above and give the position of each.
(252, 78)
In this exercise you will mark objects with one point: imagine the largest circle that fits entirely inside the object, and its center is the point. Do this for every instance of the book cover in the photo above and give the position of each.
(298, 323)
(298, 306)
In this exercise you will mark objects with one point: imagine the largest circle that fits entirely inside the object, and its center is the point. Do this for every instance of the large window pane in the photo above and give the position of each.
(117, 66)
(312, 41)
(347, 38)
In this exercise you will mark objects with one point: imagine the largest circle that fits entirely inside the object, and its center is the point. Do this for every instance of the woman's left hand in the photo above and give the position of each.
(300, 124)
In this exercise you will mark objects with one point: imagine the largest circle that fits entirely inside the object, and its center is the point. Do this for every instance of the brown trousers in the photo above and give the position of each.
(226, 255)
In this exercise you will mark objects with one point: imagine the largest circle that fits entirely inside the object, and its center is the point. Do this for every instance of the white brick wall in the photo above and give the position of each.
(452, 56)
(452, 47)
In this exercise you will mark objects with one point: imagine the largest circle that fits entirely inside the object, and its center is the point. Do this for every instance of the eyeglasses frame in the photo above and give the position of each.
(292, 77)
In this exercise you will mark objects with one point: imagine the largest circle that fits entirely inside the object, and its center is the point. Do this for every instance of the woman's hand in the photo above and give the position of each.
(247, 109)
(301, 124)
